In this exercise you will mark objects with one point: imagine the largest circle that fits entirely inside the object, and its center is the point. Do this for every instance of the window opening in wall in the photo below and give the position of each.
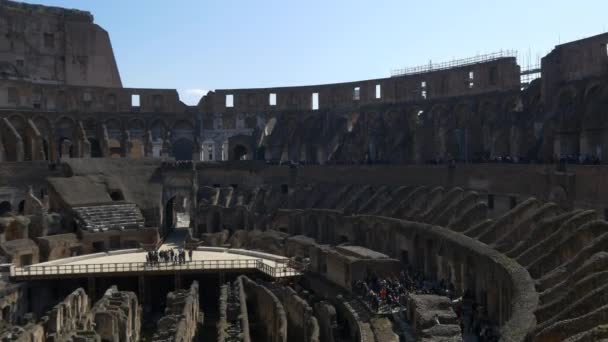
(315, 101)
(471, 75)
(423, 89)
(471, 85)
(135, 100)
(490, 201)
(512, 202)
(378, 91)
(209, 148)
(86, 97)
(272, 99)
(606, 46)
(284, 188)
(357, 94)
(229, 101)
(116, 195)
(20, 63)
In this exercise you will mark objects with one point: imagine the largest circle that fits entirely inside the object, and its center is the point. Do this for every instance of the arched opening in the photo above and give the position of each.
(136, 134)
(6, 313)
(183, 149)
(5, 208)
(45, 149)
(169, 215)
(216, 223)
(177, 213)
(66, 148)
(115, 138)
(240, 153)
(117, 195)
(95, 148)
(21, 207)
(64, 132)
(261, 153)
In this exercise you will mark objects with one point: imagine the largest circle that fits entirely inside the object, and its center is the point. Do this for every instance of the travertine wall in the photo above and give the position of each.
(54, 44)
(266, 312)
(183, 318)
(117, 316)
(302, 324)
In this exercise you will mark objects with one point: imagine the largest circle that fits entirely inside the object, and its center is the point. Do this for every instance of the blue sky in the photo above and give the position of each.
(198, 45)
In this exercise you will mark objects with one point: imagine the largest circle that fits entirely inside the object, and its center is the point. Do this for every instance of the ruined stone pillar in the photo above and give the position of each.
(66, 145)
(148, 144)
(105, 141)
(16, 138)
(127, 145)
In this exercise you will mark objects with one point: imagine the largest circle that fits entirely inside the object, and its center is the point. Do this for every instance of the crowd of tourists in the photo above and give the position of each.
(168, 256)
(388, 294)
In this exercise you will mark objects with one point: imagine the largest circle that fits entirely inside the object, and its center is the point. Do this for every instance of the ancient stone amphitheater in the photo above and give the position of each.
(457, 201)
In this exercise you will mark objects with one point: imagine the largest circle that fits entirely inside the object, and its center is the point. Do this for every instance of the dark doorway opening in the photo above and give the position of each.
(183, 149)
(95, 148)
(240, 152)
(5, 208)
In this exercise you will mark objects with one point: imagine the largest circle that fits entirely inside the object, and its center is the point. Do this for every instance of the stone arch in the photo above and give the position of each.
(5, 208)
(137, 129)
(115, 138)
(183, 148)
(568, 136)
(215, 222)
(183, 129)
(240, 152)
(158, 131)
(44, 128)
(594, 126)
(65, 136)
(439, 118)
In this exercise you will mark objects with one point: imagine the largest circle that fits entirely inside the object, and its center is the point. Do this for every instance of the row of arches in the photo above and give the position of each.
(40, 139)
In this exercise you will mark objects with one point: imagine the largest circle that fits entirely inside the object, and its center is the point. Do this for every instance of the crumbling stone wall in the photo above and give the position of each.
(68, 319)
(302, 324)
(71, 315)
(233, 324)
(266, 311)
(325, 313)
(182, 319)
(117, 316)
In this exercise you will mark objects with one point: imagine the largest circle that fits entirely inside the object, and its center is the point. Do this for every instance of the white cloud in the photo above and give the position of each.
(191, 96)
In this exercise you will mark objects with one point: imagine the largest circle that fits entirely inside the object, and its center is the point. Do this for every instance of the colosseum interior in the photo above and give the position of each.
(446, 203)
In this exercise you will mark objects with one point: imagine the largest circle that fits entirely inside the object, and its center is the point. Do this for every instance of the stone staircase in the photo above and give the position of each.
(109, 216)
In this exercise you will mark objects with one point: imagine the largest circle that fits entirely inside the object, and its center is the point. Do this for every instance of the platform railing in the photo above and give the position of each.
(281, 270)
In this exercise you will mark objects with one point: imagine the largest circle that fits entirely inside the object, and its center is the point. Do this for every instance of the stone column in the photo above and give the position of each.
(148, 144)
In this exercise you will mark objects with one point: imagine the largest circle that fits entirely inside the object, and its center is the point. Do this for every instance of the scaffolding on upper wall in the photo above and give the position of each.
(454, 63)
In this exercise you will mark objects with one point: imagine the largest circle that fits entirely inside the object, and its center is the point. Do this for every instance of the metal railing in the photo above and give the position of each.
(453, 64)
(50, 271)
